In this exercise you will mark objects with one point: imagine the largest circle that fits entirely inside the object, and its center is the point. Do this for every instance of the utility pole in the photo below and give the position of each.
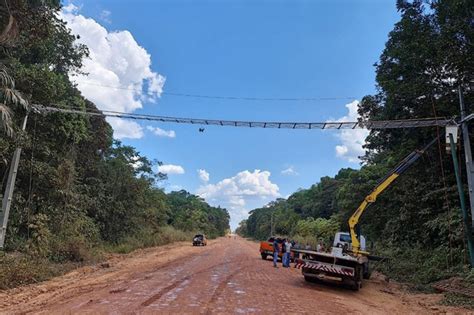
(271, 225)
(8, 195)
(467, 224)
(467, 155)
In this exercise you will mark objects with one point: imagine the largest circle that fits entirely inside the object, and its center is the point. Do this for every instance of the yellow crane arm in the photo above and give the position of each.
(381, 186)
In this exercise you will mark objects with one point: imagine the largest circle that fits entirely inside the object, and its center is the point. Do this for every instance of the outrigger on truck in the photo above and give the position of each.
(348, 260)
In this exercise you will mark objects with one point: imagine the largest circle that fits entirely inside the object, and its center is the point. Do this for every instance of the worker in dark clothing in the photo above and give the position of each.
(276, 249)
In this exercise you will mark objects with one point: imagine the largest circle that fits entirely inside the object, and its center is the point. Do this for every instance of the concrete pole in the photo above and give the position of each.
(468, 155)
(467, 227)
(8, 195)
(271, 225)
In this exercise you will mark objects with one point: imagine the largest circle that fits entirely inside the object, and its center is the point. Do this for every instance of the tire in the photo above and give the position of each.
(367, 273)
(264, 256)
(358, 278)
(357, 285)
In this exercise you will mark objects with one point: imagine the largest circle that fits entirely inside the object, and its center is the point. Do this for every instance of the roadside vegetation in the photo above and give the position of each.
(79, 193)
(417, 222)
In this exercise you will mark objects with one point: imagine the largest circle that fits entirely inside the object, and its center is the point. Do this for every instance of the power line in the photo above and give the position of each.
(218, 97)
(379, 124)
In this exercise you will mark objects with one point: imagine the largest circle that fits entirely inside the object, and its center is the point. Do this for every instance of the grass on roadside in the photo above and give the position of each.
(17, 269)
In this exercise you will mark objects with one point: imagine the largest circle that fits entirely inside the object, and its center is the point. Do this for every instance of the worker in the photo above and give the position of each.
(320, 246)
(287, 254)
(283, 253)
(276, 249)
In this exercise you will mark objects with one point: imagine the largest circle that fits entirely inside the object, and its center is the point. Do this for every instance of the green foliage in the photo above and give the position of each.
(416, 222)
(453, 299)
(430, 266)
(16, 270)
(38, 244)
(188, 212)
(321, 229)
(148, 237)
(77, 190)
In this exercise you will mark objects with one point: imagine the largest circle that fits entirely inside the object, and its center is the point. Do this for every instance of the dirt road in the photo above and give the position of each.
(228, 277)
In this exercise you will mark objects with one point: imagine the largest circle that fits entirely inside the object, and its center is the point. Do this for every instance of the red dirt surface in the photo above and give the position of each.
(226, 277)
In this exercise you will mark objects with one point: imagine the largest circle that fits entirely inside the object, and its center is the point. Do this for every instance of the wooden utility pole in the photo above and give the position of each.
(8, 195)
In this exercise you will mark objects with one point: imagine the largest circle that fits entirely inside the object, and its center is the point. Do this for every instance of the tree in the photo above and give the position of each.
(9, 97)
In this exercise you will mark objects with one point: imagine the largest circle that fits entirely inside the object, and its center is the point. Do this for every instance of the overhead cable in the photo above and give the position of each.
(219, 97)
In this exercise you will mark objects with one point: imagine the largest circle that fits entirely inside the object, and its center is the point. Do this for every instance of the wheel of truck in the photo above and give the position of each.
(357, 285)
(264, 256)
(367, 273)
(358, 278)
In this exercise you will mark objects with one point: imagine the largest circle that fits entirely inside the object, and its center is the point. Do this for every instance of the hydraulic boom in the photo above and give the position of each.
(381, 186)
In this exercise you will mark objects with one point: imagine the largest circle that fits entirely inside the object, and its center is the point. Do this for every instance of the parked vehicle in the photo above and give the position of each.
(266, 248)
(348, 260)
(199, 240)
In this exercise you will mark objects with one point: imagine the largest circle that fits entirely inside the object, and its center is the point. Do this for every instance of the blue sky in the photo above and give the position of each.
(235, 48)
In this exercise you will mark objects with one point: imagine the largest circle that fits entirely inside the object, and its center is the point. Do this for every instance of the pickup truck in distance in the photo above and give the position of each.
(199, 239)
(266, 248)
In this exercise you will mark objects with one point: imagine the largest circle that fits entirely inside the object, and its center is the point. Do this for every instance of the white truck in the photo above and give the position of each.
(338, 265)
(348, 260)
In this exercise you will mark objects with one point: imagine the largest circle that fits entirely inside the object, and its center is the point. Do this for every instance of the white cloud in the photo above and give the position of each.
(135, 162)
(352, 140)
(116, 60)
(240, 191)
(125, 128)
(171, 169)
(161, 132)
(203, 175)
(290, 171)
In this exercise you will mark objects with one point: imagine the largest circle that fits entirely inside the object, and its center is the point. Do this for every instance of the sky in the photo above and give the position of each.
(141, 50)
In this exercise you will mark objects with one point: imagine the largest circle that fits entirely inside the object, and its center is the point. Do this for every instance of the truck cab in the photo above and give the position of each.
(343, 240)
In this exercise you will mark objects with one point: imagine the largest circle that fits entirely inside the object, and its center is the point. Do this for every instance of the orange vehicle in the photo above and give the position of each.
(266, 248)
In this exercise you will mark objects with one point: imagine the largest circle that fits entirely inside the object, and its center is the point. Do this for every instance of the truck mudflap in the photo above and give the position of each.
(324, 267)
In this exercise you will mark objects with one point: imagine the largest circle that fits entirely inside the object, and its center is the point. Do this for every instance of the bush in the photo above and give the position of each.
(17, 269)
(76, 242)
(311, 230)
(420, 266)
(148, 237)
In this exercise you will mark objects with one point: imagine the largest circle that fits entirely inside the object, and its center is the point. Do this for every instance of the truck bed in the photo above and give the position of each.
(332, 265)
(327, 257)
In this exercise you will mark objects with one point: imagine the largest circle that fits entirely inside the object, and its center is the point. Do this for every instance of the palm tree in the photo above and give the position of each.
(9, 98)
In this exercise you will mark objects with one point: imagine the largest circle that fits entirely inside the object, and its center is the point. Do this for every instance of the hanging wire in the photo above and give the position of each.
(220, 97)
(443, 176)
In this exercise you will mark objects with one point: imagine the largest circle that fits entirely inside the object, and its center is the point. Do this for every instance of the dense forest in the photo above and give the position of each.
(77, 188)
(417, 222)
